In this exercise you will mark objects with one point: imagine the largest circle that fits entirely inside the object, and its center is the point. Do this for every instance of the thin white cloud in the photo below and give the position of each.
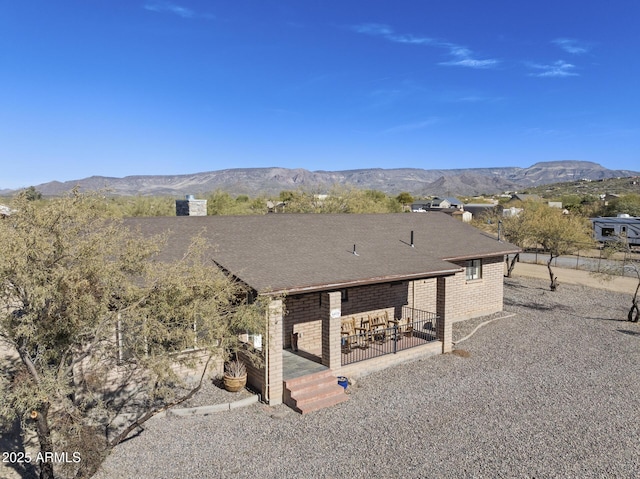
(372, 29)
(174, 9)
(386, 32)
(558, 69)
(471, 63)
(571, 45)
(462, 55)
(412, 39)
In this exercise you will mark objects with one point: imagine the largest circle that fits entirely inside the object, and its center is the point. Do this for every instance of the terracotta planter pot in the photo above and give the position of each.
(234, 384)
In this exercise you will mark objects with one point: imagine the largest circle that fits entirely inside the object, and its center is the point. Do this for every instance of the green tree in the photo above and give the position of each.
(32, 194)
(340, 199)
(96, 324)
(299, 201)
(222, 203)
(627, 204)
(404, 199)
(146, 206)
(558, 234)
(609, 270)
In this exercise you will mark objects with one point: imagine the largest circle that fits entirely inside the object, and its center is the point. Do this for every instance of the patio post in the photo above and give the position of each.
(331, 314)
(274, 366)
(445, 309)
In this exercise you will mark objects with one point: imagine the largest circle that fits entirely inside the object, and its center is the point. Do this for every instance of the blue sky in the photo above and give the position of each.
(117, 88)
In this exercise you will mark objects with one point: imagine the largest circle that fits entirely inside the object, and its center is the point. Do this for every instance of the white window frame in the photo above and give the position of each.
(473, 270)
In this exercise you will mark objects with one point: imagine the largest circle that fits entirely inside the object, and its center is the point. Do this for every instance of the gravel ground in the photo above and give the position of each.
(213, 392)
(553, 391)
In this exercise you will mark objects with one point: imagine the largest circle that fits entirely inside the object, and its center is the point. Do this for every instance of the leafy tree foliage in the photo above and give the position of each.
(94, 324)
(222, 203)
(541, 225)
(629, 204)
(610, 270)
(340, 199)
(144, 206)
(404, 198)
(32, 194)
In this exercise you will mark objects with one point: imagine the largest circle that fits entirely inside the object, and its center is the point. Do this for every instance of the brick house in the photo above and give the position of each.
(323, 270)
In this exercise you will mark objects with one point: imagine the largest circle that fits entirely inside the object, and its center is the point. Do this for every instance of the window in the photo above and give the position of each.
(608, 232)
(473, 269)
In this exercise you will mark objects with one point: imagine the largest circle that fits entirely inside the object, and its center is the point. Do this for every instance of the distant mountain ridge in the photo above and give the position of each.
(270, 181)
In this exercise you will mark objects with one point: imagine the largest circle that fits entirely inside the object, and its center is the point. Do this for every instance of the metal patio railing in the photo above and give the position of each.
(415, 328)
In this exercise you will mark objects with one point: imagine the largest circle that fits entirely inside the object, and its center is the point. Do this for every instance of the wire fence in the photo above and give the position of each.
(593, 260)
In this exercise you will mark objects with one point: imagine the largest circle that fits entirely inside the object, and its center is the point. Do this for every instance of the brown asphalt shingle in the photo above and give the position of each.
(306, 252)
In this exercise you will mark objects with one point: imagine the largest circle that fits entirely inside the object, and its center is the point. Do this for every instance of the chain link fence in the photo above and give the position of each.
(595, 260)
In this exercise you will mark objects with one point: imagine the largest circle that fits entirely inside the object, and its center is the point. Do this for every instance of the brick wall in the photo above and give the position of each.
(304, 313)
(255, 375)
(467, 299)
(377, 296)
(304, 316)
(422, 294)
(478, 297)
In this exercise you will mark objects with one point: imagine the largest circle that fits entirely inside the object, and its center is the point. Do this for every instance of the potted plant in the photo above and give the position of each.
(235, 375)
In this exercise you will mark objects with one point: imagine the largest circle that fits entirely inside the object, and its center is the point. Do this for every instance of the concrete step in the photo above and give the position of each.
(296, 383)
(321, 403)
(315, 391)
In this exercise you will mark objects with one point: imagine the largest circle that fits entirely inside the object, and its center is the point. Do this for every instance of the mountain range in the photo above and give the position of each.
(270, 181)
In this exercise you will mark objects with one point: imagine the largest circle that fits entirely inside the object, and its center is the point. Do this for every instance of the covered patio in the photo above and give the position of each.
(370, 336)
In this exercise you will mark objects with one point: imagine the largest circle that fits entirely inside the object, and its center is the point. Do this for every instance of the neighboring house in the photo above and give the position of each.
(436, 204)
(420, 206)
(518, 198)
(478, 210)
(412, 275)
(448, 202)
(615, 228)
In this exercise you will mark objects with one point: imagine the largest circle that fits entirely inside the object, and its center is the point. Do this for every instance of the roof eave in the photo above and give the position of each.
(359, 282)
(482, 255)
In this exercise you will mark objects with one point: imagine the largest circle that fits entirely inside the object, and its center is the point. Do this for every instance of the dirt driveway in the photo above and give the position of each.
(573, 276)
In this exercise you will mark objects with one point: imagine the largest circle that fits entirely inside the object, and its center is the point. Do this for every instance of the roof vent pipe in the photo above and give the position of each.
(354, 251)
(412, 239)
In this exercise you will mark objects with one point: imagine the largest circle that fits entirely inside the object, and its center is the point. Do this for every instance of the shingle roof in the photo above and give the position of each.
(306, 252)
(449, 199)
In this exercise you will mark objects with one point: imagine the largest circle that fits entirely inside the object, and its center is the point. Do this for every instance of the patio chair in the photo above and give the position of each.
(365, 329)
(347, 331)
(351, 335)
(405, 327)
(378, 324)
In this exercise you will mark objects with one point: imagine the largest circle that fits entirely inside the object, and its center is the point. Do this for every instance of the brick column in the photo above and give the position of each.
(331, 311)
(444, 309)
(273, 371)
